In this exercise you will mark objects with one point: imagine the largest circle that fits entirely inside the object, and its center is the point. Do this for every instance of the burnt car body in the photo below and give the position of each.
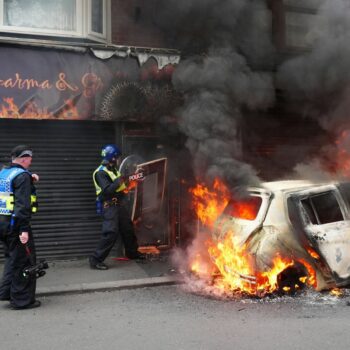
(297, 220)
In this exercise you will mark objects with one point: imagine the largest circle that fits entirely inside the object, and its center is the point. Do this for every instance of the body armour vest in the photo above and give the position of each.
(113, 176)
(7, 200)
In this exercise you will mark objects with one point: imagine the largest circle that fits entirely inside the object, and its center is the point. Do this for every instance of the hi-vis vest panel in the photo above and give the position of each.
(112, 176)
(7, 199)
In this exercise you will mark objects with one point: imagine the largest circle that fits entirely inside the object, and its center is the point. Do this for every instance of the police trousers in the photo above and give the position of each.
(14, 286)
(116, 221)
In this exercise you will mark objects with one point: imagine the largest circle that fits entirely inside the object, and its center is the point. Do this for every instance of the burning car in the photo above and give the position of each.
(283, 235)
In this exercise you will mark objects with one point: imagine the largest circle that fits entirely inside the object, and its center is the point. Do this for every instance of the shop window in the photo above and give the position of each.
(322, 208)
(67, 18)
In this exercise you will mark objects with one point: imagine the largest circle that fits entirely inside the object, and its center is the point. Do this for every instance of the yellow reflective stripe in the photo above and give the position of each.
(121, 188)
(112, 176)
(33, 203)
(8, 200)
(97, 187)
(10, 203)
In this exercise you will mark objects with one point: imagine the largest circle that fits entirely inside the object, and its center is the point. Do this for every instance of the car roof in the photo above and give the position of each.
(287, 185)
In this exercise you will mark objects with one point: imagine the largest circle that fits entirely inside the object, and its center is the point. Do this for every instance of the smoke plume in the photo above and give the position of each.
(317, 85)
(221, 40)
(225, 72)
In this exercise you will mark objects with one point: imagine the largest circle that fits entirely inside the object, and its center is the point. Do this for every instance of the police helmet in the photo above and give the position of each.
(109, 152)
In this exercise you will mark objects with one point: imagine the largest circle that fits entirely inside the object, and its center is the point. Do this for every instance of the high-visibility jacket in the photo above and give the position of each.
(7, 200)
(113, 176)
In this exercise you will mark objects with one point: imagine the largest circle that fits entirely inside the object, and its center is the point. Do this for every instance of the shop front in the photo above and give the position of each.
(66, 105)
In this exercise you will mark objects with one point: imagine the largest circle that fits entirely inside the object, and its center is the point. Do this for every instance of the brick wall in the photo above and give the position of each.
(133, 25)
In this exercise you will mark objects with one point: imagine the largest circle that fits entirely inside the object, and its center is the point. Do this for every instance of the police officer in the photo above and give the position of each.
(110, 186)
(17, 202)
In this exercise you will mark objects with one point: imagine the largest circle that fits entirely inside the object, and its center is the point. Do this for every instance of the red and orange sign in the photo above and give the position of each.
(49, 84)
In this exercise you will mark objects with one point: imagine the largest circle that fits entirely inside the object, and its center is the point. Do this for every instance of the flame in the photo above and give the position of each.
(311, 279)
(11, 111)
(246, 209)
(233, 264)
(70, 111)
(270, 277)
(229, 257)
(32, 111)
(336, 292)
(313, 253)
(209, 205)
(201, 267)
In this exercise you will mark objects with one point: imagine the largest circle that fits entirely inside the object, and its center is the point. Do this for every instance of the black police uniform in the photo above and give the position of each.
(14, 286)
(116, 220)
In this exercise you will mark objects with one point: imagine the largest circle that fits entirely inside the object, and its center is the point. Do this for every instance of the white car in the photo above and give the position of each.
(298, 220)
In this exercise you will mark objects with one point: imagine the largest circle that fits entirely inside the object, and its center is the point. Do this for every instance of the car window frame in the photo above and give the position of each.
(304, 194)
(266, 197)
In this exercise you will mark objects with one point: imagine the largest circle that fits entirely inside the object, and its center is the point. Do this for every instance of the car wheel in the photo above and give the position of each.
(292, 279)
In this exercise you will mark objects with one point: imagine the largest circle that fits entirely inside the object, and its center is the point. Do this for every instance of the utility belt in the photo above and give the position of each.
(114, 202)
(107, 203)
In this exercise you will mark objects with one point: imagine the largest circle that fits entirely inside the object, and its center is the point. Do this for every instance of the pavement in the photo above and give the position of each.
(76, 276)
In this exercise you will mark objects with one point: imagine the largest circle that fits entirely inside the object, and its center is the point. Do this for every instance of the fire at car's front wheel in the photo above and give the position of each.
(292, 279)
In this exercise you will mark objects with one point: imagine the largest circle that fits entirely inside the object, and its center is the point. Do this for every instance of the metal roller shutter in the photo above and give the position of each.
(65, 156)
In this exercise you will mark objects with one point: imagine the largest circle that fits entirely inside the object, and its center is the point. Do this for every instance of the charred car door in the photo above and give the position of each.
(326, 224)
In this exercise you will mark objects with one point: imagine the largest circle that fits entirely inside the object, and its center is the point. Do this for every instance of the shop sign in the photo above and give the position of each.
(50, 84)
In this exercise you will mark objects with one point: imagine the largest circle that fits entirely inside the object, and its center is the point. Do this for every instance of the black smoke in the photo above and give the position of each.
(316, 85)
(227, 49)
